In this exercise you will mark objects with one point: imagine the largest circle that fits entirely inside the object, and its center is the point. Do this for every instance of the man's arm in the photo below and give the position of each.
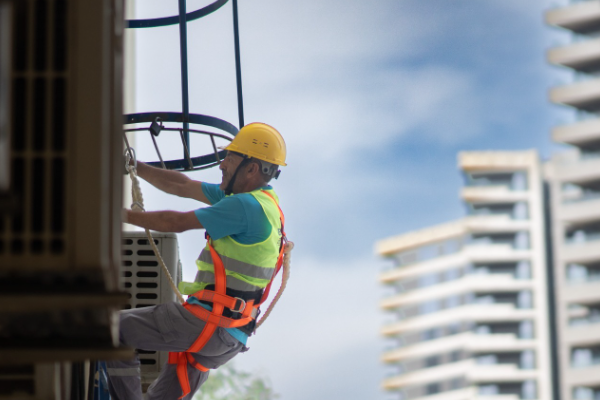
(172, 182)
(163, 221)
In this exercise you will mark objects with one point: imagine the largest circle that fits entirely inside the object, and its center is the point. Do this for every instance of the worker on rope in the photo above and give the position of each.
(245, 241)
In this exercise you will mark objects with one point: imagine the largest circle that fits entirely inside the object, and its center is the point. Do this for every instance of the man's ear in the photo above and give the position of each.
(253, 168)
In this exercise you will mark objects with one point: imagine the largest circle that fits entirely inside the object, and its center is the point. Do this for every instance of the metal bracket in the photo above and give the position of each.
(156, 127)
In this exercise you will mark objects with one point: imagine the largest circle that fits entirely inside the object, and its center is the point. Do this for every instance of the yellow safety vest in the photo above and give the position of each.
(249, 267)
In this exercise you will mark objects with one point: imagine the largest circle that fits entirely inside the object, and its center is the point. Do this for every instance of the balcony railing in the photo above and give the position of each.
(584, 237)
(584, 321)
(585, 196)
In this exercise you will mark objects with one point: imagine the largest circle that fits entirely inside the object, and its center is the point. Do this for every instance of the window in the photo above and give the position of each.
(455, 356)
(451, 274)
(429, 280)
(488, 390)
(487, 359)
(519, 181)
(582, 357)
(452, 245)
(429, 307)
(453, 301)
(429, 251)
(584, 234)
(583, 393)
(453, 328)
(483, 330)
(521, 240)
(525, 299)
(432, 361)
(526, 330)
(529, 390)
(576, 273)
(520, 211)
(489, 179)
(527, 359)
(485, 299)
(523, 270)
(432, 388)
(456, 383)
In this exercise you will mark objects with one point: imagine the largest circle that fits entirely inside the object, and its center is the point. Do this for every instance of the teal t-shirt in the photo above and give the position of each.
(240, 216)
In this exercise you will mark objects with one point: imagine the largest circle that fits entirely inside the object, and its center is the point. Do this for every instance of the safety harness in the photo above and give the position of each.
(248, 310)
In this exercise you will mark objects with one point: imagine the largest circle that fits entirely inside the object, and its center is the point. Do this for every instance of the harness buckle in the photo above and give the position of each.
(242, 305)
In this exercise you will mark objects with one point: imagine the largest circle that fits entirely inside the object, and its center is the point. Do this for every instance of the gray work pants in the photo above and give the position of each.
(165, 327)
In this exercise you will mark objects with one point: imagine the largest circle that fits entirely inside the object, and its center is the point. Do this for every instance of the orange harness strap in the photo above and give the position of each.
(281, 248)
(215, 318)
(182, 359)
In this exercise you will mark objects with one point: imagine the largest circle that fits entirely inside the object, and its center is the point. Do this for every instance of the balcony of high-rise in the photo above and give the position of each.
(582, 284)
(582, 319)
(495, 186)
(583, 56)
(580, 201)
(583, 133)
(579, 167)
(582, 242)
(586, 392)
(583, 95)
(585, 360)
(496, 177)
(581, 16)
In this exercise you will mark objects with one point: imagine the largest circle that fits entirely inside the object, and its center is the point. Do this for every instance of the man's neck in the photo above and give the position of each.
(251, 187)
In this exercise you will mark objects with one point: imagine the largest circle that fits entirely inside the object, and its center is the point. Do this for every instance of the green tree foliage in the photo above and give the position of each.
(228, 383)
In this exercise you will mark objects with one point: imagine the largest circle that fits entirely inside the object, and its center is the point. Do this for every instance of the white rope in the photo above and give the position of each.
(287, 260)
(138, 204)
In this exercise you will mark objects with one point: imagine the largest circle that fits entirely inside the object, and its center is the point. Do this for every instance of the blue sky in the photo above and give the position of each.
(374, 100)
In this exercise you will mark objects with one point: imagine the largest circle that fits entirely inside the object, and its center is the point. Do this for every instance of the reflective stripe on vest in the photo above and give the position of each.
(248, 267)
(241, 267)
(204, 278)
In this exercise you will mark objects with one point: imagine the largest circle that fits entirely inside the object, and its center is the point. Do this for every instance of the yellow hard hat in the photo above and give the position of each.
(260, 141)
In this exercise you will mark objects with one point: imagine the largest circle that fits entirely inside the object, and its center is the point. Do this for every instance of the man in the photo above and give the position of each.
(244, 226)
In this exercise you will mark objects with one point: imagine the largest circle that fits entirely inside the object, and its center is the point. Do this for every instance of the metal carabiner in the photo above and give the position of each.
(129, 154)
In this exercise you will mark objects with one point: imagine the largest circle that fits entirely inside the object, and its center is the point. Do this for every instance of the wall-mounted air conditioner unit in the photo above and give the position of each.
(147, 285)
(61, 166)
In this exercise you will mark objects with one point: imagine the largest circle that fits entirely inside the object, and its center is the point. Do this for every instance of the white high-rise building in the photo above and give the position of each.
(469, 297)
(574, 178)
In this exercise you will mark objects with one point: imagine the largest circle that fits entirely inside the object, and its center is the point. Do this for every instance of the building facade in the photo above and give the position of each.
(469, 297)
(574, 178)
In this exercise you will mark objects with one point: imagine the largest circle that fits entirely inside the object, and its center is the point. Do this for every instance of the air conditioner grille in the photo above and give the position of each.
(39, 110)
(20, 114)
(18, 181)
(58, 195)
(59, 114)
(147, 285)
(38, 227)
(40, 34)
(60, 35)
(21, 28)
(37, 191)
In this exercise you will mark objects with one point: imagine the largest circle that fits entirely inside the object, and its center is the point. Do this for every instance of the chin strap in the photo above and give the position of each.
(229, 189)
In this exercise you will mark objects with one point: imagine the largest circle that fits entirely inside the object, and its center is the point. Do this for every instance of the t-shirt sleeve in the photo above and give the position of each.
(239, 216)
(213, 192)
(224, 218)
